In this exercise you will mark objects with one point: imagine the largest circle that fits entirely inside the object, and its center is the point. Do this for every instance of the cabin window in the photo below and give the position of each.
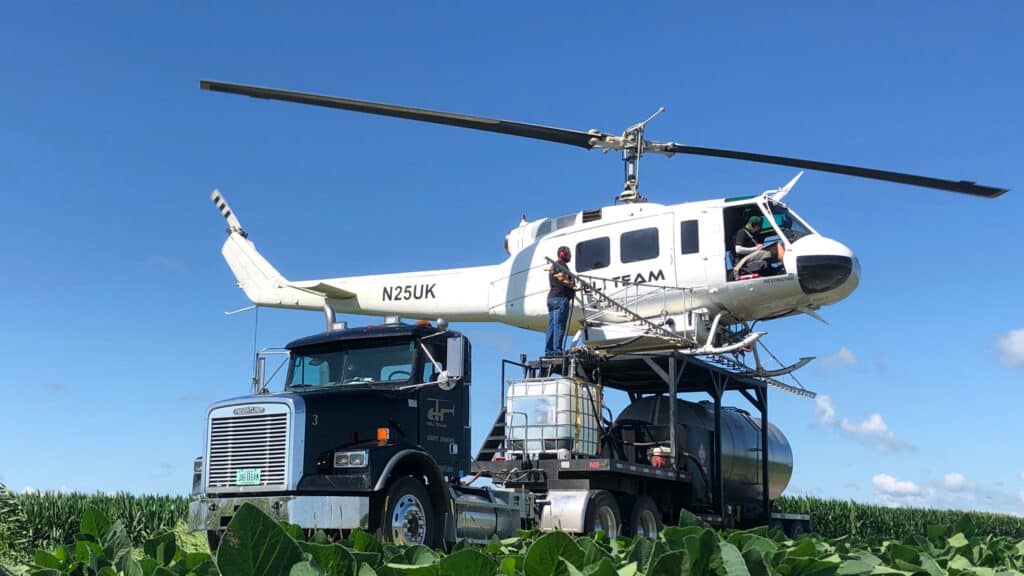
(544, 228)
(563, 221)
(593, 254)
(639, 245)
(689, 237)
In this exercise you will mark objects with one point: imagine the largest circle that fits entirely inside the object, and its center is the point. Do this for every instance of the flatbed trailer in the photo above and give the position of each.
(670, 483)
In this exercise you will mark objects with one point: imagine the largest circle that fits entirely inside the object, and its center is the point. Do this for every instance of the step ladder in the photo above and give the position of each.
(672, 340)
(645, 325)
(495, 441)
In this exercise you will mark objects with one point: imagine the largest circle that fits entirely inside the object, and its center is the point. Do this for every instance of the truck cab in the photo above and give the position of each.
(369, 431)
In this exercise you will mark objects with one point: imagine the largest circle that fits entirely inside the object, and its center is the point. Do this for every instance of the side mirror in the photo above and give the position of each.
(456, 360)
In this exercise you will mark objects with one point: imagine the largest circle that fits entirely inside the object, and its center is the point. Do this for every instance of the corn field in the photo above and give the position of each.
(48, 520)
(835, 518)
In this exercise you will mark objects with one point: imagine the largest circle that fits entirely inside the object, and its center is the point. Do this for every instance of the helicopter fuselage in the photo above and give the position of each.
(664, 260)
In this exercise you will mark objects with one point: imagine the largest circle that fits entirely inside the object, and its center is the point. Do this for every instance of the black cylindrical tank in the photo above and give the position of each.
(741, 445)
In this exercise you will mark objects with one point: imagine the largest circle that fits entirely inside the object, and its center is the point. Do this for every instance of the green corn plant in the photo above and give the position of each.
(15, 539)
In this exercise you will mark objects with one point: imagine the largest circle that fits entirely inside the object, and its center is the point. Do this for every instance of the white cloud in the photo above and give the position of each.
(1011, 348)
(956, 482)
(874, 432)
(844, 357)
(29, 490)
(825, 411)
(887, 484)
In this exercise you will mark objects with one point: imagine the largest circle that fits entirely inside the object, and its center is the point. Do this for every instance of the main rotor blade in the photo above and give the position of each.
(961, 186)
(560, 135)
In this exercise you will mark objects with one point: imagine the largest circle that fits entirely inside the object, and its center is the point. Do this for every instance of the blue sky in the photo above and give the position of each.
(112, 289)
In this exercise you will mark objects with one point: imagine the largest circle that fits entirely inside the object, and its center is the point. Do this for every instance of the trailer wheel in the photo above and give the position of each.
(645, 519)
(602, 514)
(408, 517)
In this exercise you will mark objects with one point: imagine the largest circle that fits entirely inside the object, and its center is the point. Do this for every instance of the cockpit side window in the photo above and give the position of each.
(689, 237)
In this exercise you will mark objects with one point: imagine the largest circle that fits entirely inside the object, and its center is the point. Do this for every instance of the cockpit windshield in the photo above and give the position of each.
(792, 227)
(391, 364)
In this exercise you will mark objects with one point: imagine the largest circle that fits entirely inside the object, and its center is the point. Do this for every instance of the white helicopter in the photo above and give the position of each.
(664, 271)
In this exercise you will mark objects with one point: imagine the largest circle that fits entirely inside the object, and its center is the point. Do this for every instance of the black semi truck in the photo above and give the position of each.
(372, 430)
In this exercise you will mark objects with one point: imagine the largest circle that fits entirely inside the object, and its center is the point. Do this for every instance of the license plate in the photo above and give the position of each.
(248, 477)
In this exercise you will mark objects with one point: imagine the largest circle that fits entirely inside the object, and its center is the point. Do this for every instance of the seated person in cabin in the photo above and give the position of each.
(747, 244)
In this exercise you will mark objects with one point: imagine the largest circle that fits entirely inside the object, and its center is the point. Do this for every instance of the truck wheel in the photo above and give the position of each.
(602, 514)
(645, 519)
(408, 517)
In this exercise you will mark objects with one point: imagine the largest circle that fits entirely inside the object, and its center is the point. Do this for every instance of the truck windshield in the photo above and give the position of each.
(352, 366)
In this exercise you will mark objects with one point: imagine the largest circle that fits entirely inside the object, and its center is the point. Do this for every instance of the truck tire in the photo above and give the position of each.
(645, 518)
(408, 516)
(602, 514)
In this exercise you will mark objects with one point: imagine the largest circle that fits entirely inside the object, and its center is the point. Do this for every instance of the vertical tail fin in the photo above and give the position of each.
(260, 281)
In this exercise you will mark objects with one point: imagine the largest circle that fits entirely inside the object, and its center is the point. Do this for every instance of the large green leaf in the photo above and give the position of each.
(89, 554)
(465, 562)
(44, 559)
(332, 559)
(162, 548)
(593, 553)
(602, 568)
(756, 563)
(630, 569)
(361, 541)
(673, 563)
(747, 541)
(687, 518)
(94, 523)
(303, 568)
(131, 567)
(803, 566)
(508, 564)
(116, 543)
(727, 561)
(957, 540)
(640, 552)
(542, 558)
(676, 537)
(254, 545)
(701, 550)
(966, 525)
(418, 555)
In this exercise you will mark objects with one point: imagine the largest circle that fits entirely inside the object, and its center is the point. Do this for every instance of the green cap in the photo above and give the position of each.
(754, 221)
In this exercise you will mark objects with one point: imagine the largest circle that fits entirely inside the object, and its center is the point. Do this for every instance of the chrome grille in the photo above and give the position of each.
(245, 443)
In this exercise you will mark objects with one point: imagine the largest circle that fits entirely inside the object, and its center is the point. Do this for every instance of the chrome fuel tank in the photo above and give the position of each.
(741, 445)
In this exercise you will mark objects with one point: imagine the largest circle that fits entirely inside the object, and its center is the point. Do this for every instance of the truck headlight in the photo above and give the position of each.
(356, 459)
(197, 476)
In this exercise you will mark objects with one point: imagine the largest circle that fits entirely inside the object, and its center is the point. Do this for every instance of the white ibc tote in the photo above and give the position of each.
(545, 415)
